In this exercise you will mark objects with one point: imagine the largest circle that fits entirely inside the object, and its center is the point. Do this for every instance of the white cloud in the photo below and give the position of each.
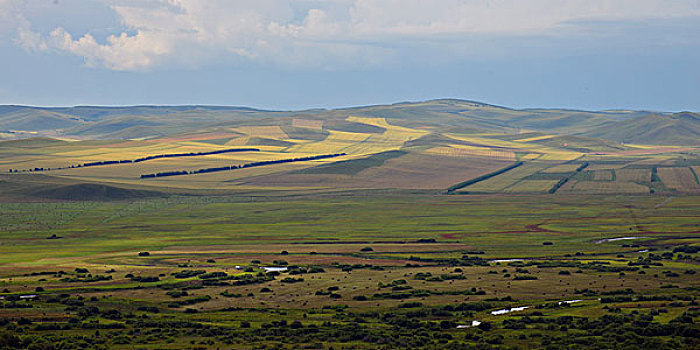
(29, 40)
(325, 34)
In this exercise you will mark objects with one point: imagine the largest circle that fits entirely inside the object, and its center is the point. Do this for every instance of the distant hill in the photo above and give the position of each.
(441, 116)
(660, 129)
(83, 192)
(40, 187)
(32, 119)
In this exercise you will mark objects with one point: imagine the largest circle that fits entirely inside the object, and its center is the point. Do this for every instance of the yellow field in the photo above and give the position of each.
(548, 153)
(336, 142)
(536, 138)
(560, 155)
(380, 122)
(461, 150)
(360, 143)
(530, 156)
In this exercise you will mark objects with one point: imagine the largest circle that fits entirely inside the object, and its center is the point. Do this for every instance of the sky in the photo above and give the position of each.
(284, 54)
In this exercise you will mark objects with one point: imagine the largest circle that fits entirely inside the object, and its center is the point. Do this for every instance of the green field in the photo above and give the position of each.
(443, 247)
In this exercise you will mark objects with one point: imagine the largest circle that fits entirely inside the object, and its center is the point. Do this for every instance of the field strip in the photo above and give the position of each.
(679, 178)
(482, 178)
(461, 151)
(536, 138)
(152, 157)
(244, 166)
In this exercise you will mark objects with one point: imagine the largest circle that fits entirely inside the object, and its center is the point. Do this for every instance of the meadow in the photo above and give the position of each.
(358, 271)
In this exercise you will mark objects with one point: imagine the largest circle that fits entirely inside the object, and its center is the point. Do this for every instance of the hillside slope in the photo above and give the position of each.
(656, 129)
(440, 116)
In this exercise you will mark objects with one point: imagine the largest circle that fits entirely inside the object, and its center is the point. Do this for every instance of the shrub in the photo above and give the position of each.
(292, 280)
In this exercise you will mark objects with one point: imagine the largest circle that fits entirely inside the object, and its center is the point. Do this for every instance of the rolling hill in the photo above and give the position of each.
(408, 146)
(660, 129)
(443, 115)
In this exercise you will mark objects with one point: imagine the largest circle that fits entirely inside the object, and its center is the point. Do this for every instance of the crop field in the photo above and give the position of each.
(608, 187)
(562, 168)
(458, 151)
(682, 179)
(607, 166)
(409, 171)
(306, 123)
(196, 272)
(433, 161)
(531, 186)
(507, 179)
(633, 175)
(603, 175)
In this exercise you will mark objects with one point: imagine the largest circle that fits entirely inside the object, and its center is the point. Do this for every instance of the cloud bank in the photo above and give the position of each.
(337, 34)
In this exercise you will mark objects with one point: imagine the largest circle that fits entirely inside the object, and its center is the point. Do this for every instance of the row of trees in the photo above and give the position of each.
(566, 179)
(143, 159)
(464, 184)
(243, 166)
(172, 155)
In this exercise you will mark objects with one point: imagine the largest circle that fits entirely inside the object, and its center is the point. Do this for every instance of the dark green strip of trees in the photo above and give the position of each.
(246, 165)
(138, 160)
(566, 179)
(464, 184)
(173, 155)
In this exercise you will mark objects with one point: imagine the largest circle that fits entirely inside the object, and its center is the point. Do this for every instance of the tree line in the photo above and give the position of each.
(246, 165)
(566, 179)
(143, 159)
(464, 184)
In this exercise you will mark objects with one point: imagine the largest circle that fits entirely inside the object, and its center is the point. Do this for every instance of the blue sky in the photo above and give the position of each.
(592, 54)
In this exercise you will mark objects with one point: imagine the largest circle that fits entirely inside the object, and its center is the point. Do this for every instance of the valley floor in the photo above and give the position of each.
(352, 270)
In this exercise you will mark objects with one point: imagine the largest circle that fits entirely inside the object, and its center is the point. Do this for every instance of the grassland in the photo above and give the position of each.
(358, 256)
